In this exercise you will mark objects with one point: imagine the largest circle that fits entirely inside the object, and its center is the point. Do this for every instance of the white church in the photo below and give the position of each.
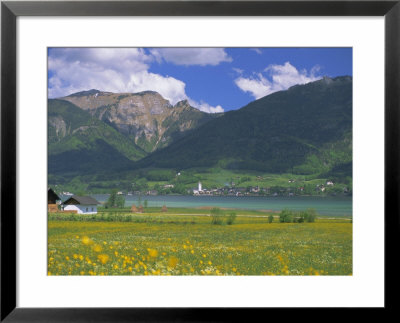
(199, 189)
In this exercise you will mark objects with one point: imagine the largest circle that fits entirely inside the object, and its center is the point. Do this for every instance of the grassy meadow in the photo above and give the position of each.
(185, 242)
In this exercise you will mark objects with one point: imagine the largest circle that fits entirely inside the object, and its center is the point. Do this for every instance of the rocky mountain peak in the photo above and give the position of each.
(146, 116)
(182, 104)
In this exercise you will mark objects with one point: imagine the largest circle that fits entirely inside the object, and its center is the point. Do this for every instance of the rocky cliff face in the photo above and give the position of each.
(146, 117)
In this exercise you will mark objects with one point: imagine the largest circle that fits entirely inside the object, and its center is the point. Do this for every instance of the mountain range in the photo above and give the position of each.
(146, 117)
(306, 129)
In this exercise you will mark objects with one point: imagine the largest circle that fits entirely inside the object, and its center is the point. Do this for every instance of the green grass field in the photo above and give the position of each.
(184, 242)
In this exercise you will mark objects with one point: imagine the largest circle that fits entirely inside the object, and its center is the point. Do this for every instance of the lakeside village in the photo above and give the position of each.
(329, 188)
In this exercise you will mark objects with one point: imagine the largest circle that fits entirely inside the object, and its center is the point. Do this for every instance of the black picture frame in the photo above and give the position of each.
(10, 10)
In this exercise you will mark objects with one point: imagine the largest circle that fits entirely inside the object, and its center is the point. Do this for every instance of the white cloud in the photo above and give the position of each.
(205, 107)
(118, 59)
(169, 87)
(315, 70)
(115, 70)
(258, 86)
(108, 69)
(238, 70)
(281, 77)
(257, 50)
(191, 56)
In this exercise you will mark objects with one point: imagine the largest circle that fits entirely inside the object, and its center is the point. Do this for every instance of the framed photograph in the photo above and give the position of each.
(179, 160)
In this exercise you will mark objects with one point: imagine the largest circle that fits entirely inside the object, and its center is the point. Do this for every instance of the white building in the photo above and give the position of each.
(81, 204)
(199, 190)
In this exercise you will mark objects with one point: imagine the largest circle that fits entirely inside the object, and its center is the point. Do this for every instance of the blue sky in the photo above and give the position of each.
(212, 79)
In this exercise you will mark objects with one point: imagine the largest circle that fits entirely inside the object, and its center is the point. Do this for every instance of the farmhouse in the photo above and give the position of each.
(81, 204)
(52, 199)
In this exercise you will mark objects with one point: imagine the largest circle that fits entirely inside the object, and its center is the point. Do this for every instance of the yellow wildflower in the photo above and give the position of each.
(172, 262)
(103, 258)
(86, 240)
(97, 248)
(152, 252)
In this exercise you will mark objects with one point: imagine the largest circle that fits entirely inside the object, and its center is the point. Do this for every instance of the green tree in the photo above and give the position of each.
(115, 200)
(111, 199)
(231, 218)
(286, 216)
(141, 184)
(310, 215)
(120, 201)
(300, 219)
(217, 216)
(270, 218)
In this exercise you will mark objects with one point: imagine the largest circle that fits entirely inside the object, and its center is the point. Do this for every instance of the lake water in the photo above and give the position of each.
(334, 206)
